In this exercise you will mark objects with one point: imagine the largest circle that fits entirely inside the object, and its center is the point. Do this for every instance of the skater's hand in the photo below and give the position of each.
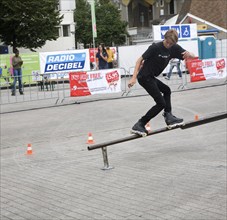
(187, 55)
(131, 83)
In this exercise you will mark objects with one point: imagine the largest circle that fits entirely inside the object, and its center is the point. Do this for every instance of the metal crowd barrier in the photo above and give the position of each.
(174, 81)
(40, 87)
(56, 87)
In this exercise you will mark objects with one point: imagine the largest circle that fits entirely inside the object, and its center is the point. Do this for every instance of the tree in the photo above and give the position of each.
(110, 28)
(82, 17)
(28, 23)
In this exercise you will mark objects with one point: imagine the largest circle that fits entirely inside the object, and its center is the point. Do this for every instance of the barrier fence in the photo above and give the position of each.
(55, 86)
(42, 88)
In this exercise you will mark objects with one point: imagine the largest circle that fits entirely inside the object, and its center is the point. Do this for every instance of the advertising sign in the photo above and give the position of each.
(63, 62)
(95, 82)
(30, 65)
(207, 69)
(185, 31)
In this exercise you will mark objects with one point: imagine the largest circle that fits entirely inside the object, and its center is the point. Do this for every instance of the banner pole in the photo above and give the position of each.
(94, 30)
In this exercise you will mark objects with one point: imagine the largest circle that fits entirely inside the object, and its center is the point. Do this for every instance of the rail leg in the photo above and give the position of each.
(105, 159)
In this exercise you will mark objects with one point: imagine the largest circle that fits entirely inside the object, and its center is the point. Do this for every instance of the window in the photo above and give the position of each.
(161, 2)
(66, 30)
(58, 31)
(171, 7)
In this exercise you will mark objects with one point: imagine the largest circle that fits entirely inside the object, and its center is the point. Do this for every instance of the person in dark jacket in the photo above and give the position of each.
(102, 57)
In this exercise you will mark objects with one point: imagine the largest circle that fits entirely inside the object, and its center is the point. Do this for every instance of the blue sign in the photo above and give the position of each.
(177, 28)
(65, 62)
(164, 29)
(185, 31)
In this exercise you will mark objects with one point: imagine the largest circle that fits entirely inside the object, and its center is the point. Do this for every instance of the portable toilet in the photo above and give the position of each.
(207, 47)
(200, 48)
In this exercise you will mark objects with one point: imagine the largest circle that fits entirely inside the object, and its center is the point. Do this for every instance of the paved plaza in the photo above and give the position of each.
(175, 175)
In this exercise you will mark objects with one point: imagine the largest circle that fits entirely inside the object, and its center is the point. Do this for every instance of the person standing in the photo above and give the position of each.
(17, 62)
(102, 58)
(174, 63)
(154, 60)
(110, 58)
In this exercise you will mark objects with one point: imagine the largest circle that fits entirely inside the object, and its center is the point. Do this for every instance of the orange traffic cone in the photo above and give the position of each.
(148, 127)
(90, 139)
(29, 149)
(196, 117)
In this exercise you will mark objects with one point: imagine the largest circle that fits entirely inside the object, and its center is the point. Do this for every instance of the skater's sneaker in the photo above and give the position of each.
(139, 128)
(21, 92)
(172, 121)
(13, 94)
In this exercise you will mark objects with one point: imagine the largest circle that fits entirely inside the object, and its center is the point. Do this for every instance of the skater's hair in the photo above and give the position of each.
(172, 35)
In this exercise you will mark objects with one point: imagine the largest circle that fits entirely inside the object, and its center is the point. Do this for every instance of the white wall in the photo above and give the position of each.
(67, 5)
(128, 55)
(62, 43)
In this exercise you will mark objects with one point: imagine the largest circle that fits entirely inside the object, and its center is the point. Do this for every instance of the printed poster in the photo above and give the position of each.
(95, 82)
(207, 69)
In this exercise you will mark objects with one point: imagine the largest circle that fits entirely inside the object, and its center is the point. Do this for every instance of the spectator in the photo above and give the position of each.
(102, 58)
(174, 63)
(17, 62)
(110, 59)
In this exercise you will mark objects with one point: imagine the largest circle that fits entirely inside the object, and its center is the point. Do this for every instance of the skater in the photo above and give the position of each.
(153, 62)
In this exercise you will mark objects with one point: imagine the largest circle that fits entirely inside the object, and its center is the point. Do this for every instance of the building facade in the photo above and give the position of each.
(66, 40)
(142, 14)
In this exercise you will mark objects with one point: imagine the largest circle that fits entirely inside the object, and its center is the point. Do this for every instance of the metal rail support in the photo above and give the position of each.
(105, 159)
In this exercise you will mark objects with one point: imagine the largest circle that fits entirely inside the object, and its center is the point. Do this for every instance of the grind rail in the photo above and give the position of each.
(189, 124)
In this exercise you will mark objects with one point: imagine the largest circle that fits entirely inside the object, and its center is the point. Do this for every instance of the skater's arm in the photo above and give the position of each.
(188, 55)
(136, 71)
(180, 53)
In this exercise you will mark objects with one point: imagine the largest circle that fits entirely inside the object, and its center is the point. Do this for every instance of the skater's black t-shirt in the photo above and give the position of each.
(157, 57)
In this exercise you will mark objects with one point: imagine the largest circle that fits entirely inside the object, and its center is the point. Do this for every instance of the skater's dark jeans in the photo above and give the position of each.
(160, 92)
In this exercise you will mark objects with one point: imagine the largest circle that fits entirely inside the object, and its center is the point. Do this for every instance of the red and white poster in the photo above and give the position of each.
(207, 69)
(95, 82)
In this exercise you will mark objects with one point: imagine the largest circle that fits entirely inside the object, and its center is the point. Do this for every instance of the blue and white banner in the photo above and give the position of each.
(58, 64)
(185, 31)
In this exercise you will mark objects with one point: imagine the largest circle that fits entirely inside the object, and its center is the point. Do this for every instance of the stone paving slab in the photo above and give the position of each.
(179, 174)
